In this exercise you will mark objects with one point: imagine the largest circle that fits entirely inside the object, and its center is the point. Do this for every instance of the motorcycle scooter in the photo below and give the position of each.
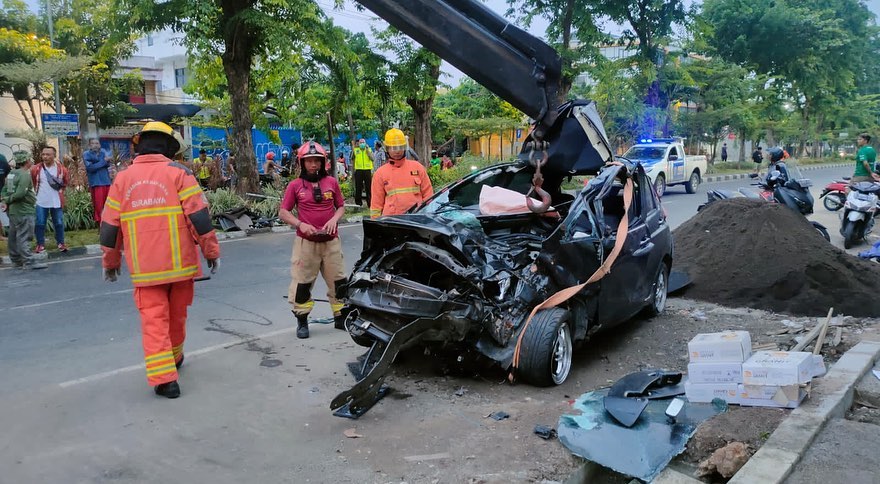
(859, 211)
(834, 194)
(781, 185)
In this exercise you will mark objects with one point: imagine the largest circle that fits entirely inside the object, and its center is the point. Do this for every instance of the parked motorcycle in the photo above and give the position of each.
(834, 194)
(858, 212)
(781, 185)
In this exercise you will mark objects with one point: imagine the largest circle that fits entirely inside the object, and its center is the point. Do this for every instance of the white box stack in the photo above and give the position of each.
(715, 369)
(776, 379)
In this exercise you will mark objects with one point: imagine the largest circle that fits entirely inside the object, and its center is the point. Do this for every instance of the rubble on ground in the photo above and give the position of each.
(725, 461)
(742, 252)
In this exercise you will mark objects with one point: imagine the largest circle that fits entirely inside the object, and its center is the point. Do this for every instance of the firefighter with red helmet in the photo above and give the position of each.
(157, 211)
(319, 206)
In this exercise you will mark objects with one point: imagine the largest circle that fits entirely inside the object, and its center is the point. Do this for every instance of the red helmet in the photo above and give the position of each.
(311, 149)
(270, 155)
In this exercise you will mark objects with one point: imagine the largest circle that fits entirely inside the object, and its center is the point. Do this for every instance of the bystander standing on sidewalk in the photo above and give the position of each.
(379, 154)
(18, 200)
(5, 168)
(866, 157)
(757, 158)
(202, 169)
(97, 162)
(319, 205)
(49, 178)
(362, 159)
(724, 153)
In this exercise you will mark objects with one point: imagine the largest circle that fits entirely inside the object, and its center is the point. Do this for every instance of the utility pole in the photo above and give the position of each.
(55, 81)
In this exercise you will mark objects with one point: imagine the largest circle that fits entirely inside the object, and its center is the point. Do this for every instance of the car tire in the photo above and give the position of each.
(833, 201)
(660, 184)
(694, 183)
(546, 350)
(659, 292)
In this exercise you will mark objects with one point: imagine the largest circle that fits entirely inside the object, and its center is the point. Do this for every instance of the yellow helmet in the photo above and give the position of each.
(160, 127)
(394, 139)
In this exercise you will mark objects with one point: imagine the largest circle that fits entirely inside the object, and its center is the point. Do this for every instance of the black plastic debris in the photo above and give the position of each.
(499, 415)
(628, 397)
(545, 432)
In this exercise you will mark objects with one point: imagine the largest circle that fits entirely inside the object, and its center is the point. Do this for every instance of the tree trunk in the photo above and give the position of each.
(351, 133)
(422, 109)
(237, 65)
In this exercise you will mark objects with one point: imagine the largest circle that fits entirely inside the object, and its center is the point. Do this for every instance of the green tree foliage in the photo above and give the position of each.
(242, 34)
(817, 51)
(470, 110)
(572, 30)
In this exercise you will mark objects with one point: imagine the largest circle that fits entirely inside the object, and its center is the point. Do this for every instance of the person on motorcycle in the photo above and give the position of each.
(777, 155)
(271, 168)
(865, 159)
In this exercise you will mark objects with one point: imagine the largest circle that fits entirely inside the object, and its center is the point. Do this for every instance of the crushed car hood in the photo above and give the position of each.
(578, 143)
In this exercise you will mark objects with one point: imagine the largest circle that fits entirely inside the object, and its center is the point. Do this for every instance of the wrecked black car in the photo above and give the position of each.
(468, 267)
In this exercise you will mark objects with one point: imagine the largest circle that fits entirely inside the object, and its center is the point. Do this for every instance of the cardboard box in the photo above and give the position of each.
(706, 392)
(778, 368)
(729, 346)
(787, 396)
(712, 372)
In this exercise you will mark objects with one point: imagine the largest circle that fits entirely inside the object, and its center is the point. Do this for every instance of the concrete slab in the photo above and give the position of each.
(844, 451)
(868, 390)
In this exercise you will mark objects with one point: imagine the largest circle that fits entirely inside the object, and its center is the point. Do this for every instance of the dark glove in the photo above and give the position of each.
(111, 274)
(213, 264)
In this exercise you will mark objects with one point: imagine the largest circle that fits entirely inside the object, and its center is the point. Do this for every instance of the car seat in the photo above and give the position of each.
(612, 209)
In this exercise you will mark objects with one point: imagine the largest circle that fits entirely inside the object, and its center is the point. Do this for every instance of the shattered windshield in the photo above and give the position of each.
(645, 153)
(467, 194)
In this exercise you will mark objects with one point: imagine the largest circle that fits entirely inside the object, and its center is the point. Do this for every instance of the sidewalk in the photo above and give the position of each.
(744, 175)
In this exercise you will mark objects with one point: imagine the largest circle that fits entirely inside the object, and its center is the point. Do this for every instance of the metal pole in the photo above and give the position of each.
(55, 81)
(332, 149)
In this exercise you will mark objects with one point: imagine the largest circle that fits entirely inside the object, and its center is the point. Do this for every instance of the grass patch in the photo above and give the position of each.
(73, 238)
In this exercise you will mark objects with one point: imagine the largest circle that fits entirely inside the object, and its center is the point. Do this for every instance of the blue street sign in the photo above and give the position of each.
(61, 124)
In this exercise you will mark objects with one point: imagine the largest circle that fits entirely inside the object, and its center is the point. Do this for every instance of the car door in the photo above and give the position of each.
(624, 289)
(676, 164)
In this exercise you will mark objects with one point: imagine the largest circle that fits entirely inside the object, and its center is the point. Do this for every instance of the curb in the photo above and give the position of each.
(832, 395)
(742, 176)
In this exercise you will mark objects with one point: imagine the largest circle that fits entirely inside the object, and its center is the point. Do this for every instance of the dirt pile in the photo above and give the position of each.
(742, 252)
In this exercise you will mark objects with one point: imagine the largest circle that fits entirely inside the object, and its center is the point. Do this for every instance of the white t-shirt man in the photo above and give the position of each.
(48, 197)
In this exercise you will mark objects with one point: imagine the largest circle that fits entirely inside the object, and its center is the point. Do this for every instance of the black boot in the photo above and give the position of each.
(339, 322)
(178, 364)
(302, 327)
(168, 390)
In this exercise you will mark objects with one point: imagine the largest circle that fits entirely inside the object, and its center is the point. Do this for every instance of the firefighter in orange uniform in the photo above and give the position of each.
(157, 211)
(400, 183)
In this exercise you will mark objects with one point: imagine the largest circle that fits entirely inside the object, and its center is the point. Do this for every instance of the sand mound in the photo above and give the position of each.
(742, 252)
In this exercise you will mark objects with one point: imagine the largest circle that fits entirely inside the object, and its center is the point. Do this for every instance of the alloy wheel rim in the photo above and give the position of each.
(562, 353)
(660, 292)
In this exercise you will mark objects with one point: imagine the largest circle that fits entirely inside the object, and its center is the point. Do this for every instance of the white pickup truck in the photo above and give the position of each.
(666, 164)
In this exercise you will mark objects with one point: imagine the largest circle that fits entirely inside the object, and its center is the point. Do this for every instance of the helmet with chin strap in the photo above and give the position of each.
(311, 149)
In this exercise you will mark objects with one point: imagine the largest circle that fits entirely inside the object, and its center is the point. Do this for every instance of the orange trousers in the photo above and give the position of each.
(163, 327)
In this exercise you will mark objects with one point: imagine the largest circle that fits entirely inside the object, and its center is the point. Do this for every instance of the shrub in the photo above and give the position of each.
(224, 199)
(78, 211)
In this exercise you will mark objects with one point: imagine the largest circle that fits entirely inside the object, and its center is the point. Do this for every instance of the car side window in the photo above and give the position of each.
(673, 152)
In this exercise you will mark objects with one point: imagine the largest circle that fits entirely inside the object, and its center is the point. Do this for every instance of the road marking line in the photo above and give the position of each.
(59, 301)
(202, 351)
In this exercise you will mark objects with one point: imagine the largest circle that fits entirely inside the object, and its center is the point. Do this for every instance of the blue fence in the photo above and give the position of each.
(213, 140)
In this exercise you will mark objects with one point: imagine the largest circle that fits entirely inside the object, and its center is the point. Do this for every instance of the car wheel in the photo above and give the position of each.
(694, 183)
(546, 351)
(660, 184)
(833, 201)
(659, 292)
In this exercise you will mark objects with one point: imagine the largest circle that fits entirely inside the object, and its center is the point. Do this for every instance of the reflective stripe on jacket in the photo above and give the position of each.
(362, 160)
(397, 186)
(150, 204)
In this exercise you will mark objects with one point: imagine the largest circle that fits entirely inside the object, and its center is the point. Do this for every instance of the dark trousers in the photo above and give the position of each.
(21, 231)
(363, 180)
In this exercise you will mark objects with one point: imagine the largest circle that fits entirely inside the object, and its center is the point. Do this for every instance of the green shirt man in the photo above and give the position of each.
(865, 159)
(18, 193)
